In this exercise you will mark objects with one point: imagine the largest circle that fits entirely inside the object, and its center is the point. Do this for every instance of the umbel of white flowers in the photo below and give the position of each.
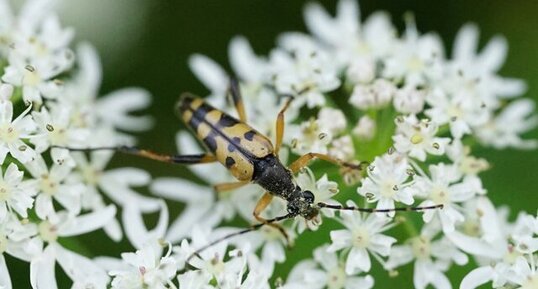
(409, 109)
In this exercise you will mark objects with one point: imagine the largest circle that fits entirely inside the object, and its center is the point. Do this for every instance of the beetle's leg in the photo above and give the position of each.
(307, 158)
(280, 125)
(229, 186)
(260, 206)
(237, 99)
(175, 159)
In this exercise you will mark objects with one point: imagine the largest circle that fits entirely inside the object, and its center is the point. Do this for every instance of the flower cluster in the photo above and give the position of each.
(362, 93)
(48, 100)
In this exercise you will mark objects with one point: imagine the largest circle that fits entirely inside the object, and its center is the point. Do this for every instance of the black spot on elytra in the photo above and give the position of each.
(211, 143)
(236, 141)
(194, 123)
(201, 112)
(229, 162)
(249, 135)
(231, 147)
(227, 121)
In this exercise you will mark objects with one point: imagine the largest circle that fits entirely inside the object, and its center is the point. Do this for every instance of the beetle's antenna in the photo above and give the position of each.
(231, 235)
(104, 148)
(373, 210)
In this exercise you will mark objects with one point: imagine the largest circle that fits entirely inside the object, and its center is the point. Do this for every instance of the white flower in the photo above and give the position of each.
(210, 260)
(54, 128)
(409, 100)
(461, 112)
(506, 128)
(300, 68)
(490, 246)
(354, 45)
(478, 78)
(248, 66)
(310, 136)
(362, 235)
(37, 76)
(332, 119)
(416, 59)
(146, 268)
(432, 259)
(365, 128)
(326, 272)
(52, 184)
(115, 107)
(13, 131)
(417, 138)
(524, 273)
(375, 95)
(467, 164)
(445, 186)
(15, 194)
(342, 148)
(387, 182)
(79, 268)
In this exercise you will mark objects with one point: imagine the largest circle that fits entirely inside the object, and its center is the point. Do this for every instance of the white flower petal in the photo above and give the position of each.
(88, 222)
(477, 277)
(209, 73)
(135, 228)
(42, 270)
(5, 279)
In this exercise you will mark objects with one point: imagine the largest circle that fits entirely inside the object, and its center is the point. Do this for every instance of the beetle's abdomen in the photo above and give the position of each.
(235, 144)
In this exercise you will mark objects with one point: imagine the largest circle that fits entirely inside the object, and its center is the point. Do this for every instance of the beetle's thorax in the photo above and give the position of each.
(271, 175)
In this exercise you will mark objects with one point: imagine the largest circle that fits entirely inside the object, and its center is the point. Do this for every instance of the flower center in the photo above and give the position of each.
(388, 188)
(58, 136)
(215, 266)
(91, 176)
(361, 237)
(440, 195)
(415, 64)
(531, 283)
(8, 133)
(336, 278)
(48, 186)
(511, 255)
(471, 228)
(3, 243)
(421, 247)
(5, 191)
(47, 231)
(31, 77)
(417, 138)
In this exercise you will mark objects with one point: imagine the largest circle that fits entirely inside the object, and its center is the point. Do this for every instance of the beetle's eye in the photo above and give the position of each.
(308, 196)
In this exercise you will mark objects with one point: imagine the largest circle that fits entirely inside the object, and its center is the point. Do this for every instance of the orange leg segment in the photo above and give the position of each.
(262, 205)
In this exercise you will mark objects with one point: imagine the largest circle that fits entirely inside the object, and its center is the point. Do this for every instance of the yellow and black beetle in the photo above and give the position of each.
(250, 157)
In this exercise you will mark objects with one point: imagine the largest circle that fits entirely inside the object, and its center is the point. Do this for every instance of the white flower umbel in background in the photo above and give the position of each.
(362, 92)
(48, 97)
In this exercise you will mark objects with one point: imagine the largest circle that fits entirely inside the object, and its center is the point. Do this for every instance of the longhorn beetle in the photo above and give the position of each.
(250, 157)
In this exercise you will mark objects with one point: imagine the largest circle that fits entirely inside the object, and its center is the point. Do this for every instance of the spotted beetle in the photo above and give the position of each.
(251, 158)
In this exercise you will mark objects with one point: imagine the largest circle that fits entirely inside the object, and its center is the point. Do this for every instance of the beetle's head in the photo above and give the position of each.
(301, 203)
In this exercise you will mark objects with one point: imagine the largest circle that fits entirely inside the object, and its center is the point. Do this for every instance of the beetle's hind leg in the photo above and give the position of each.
(237, 99)
(223, 187)
(304, 160)
(280, 125)
(262, 205)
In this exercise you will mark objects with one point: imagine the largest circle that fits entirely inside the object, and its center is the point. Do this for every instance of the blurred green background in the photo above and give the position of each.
(147, 43)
